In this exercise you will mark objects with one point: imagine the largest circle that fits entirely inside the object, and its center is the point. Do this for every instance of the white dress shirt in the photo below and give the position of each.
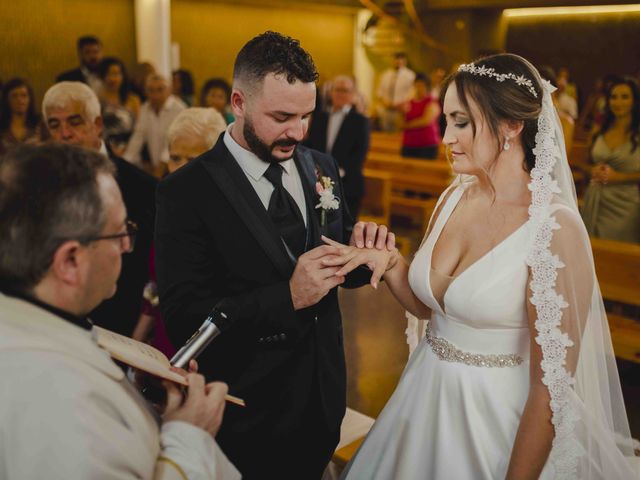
(333, 125)
(93, 80)
(151, 128)
(254, 168)
(568, 104)
(396, 86)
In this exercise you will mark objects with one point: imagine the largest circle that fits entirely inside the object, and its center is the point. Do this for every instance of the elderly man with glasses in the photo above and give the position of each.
(71, 112)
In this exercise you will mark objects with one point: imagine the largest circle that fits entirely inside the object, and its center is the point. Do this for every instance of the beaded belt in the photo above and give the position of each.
(449, 353)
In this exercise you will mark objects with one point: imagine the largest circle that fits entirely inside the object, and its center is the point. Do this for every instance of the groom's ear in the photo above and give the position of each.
(238, 103)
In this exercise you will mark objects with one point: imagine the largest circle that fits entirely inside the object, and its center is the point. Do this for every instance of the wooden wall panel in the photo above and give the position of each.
(210, 35)
(38, 37)
(589, 45)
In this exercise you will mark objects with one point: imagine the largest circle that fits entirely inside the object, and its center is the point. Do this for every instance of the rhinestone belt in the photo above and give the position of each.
(449, 353)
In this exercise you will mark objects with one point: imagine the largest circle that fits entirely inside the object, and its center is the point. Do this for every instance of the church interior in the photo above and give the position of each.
(583, 46)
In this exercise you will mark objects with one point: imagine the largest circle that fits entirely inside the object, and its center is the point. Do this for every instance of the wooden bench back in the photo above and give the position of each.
(618, 270)
(376, 204)
(426, 176)
(385, 142)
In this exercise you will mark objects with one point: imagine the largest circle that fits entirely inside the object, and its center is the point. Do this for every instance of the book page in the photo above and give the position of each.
(136, 354)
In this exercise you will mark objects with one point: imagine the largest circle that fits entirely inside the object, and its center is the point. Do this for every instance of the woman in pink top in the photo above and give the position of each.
(421, 136)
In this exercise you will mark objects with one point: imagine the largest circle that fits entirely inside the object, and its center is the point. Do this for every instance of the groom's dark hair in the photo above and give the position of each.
(272, 52)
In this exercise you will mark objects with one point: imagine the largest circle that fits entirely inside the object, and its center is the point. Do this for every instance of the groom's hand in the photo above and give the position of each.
(312, 279)
(372, 235)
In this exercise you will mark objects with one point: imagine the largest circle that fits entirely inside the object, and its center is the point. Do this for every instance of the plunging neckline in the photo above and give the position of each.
(455, 278)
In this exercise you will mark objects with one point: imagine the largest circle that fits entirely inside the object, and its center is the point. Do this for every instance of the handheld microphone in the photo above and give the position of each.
(216, 322)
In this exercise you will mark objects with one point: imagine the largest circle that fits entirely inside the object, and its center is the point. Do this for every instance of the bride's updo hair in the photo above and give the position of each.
(501, 101)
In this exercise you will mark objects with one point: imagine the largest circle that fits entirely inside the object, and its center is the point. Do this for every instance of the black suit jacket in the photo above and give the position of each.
(349, 149)
(121, 312)
(74, 75)
(215, 242)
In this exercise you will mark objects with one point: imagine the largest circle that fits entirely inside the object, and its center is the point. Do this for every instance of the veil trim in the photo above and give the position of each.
(566, 449)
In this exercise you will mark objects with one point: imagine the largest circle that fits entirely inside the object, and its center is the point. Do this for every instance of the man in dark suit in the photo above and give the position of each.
(71, 111)
(90, 55)
(343, 133)
(238, 228)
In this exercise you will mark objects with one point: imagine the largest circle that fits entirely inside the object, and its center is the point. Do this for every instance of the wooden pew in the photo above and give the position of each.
(376, 204)
(424, 178)
(385, 142)
(618, 270)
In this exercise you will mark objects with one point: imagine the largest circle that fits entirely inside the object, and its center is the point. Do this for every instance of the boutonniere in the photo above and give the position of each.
(328, 201)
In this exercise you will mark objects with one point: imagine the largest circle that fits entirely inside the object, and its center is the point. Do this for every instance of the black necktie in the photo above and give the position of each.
(285, 213)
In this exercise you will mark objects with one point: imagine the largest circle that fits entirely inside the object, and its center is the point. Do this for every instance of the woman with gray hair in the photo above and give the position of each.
(193, 132)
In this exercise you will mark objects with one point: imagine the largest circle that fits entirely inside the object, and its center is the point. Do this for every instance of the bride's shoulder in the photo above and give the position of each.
(566, 215)
(569, 230)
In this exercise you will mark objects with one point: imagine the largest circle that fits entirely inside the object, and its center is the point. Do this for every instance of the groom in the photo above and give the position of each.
(239, 228)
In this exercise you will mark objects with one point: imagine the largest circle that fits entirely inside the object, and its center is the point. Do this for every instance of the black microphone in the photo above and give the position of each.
(216, 322)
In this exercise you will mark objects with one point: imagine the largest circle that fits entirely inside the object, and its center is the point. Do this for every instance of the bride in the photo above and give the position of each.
(514, 376)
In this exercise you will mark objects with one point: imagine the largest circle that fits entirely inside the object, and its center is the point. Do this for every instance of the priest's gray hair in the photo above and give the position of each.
(63, 94)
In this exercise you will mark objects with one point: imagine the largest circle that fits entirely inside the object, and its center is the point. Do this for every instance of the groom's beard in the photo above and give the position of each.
(261, 149)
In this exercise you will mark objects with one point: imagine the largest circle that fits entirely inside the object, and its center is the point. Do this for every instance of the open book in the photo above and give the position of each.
(142, 356)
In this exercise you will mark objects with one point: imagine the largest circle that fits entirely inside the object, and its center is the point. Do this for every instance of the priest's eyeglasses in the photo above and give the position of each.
(127, 239)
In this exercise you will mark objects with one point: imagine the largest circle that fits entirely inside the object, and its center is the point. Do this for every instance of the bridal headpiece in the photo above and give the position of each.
(490, 72)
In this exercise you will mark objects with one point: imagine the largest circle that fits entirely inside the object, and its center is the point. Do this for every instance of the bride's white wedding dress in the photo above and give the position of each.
(457, 407)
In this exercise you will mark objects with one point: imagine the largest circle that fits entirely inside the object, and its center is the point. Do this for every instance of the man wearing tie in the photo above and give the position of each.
(238, 227)
(343, 133)
(394, 89)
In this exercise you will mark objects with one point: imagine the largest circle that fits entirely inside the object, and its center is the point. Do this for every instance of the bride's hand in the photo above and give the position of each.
(351, 257)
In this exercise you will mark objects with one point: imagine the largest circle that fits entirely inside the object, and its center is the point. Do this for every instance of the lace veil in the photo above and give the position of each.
(592, 438)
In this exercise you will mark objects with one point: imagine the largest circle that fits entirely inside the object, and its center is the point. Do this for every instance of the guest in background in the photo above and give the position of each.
(612, 201)
(19, 121)
(421, 132)
(569, 87)
(323, 95)
(437, 77)
(566, 101)
(120, 106)
(216, 93)
(566, 120)
(156, 115)
(193, 132)
(592, 115)
(90, 54)
(395, 88)
(139, 75)
(72, 114)
(183, 86)
(344, 134)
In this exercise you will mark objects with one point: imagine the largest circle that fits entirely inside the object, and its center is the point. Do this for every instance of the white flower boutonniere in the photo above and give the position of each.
(328, 201)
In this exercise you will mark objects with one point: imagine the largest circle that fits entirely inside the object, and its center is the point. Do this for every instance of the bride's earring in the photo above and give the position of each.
(506, 145)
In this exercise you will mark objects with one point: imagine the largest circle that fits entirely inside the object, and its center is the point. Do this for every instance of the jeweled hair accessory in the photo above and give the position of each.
(501, 77)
